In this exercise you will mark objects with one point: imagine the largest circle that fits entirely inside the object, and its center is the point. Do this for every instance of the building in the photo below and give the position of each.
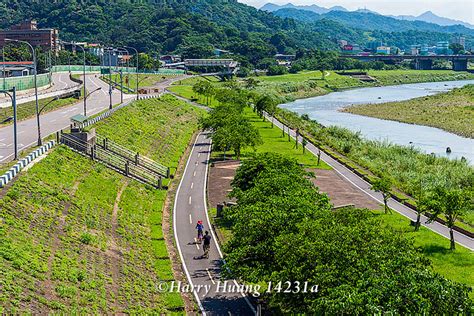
(372, 46)
(16, 69)
(383, 50)
(351, 49)
(28, 31)
(459, 40)
(170, 59)
(442, 48)
(342, 43)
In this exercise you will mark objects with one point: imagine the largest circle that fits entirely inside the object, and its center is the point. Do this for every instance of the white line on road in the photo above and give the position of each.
(210, 276)
(190, 219)
(194, 173)
(189, 200)
(199, 154)
(192, 185)
(196, 243)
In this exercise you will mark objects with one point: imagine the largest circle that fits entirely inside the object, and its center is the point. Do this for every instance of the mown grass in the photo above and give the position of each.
(451, 111)
(58, 250)
(274, 141)
(456, 265)
(184, 88)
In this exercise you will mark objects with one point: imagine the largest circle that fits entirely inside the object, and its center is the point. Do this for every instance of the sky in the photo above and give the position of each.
(455, 9)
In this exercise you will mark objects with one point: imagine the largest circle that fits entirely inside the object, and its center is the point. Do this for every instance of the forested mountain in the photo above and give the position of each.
(189, 27)
(372, 21)
(194, 28)
(382, 27)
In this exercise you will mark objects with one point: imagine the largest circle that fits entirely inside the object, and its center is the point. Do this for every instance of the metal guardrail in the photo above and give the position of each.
(112, 160)
(134, 157)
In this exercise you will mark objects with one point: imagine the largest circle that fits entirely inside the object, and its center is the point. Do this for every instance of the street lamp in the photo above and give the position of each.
(36, 85)
(109, 49)
(83, 71)
(136, 52)
(12, 94)
(128, 66)
(120, 49)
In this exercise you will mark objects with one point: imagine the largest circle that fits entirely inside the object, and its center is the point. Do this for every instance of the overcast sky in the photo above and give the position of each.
(455, 9)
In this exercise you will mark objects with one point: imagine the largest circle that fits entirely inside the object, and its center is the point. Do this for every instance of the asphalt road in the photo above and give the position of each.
(61, 82)
(54, 121)
(365, 187)
(190, 206)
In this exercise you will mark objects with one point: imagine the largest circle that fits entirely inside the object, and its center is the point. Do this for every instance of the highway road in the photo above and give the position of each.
(365, 187)
(56, 120)
(203, 274)
(61, 82)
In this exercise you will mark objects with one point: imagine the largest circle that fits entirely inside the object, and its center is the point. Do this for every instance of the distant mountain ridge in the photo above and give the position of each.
(428, 16)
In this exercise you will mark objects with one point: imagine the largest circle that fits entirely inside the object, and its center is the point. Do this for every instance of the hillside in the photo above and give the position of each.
(193, 28)
(382, 27)
(427, 16)
(79, 238)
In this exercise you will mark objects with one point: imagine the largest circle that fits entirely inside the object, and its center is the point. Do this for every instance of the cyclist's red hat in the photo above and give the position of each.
(199, 222)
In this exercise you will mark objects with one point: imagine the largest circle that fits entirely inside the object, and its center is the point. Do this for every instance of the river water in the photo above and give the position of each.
(324, 109)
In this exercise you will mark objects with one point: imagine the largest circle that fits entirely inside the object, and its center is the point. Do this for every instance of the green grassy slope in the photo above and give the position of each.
(78, 237)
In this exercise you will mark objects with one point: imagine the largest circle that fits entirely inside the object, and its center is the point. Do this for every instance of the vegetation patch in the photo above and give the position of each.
(77, 237)
(451, 111)
(358, 266)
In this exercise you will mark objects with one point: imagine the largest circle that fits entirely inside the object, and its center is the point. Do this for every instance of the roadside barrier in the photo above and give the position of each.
(10, 174)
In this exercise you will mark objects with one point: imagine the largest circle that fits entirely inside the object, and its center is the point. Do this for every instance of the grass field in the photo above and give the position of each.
(455, 265)
(452, 111)
(305, 84)
(184, 88)
(76, 237)
(274, 142)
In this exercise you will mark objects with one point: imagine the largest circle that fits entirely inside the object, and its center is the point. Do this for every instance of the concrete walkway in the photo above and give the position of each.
(189, 207)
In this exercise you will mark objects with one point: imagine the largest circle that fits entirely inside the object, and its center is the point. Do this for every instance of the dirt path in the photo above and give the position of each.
(114, 250)
(47, 285)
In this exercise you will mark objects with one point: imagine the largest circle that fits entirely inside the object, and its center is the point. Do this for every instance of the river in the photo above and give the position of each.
(325, 110)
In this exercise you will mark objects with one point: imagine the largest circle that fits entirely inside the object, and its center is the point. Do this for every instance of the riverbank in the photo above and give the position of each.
(308, 84)
(451, 111)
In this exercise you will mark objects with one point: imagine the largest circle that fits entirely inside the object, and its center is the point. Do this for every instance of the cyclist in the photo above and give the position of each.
(207, 244)
(200, 228)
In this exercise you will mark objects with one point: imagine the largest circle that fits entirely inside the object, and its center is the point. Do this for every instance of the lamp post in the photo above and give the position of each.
(110, 77)
(136, 52)
(4, 70)
(128, 68)
(36, 86)
(83, 71)
(121, 75)
(12, 94)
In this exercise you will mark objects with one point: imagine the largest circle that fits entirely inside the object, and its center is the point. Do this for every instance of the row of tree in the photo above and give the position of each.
(230, 128)
(283, 230)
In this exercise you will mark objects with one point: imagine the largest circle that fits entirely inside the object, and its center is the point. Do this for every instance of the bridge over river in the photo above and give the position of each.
(422, 62)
